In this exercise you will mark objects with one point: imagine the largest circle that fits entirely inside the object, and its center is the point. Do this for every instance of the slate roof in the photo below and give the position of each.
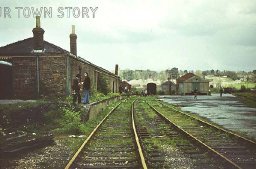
(25, 48)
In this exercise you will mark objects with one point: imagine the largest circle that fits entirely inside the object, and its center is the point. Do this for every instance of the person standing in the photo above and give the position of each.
(221, 91)
(76, 90)
(195, 93)
(86, 88)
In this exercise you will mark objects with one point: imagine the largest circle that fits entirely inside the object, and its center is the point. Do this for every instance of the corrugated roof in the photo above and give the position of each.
(25, 48)
(185, 77)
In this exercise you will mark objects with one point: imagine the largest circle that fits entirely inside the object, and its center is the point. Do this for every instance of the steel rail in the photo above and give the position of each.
(251, 142)
(142, 158)
(88, 138)
(197, 140)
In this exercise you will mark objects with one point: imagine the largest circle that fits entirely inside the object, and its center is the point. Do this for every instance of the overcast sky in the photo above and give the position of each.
(147, 34)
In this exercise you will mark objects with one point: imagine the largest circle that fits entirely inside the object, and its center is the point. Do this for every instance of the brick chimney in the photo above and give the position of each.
(116, 69)
(73, 45)
(38, 35)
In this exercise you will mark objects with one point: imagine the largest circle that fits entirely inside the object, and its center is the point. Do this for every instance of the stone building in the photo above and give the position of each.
(189, 83)
(39, 68)
(168, 88)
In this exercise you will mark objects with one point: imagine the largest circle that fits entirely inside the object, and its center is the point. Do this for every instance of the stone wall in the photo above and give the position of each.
(24, 77)
(81, 66)
(56, 73)
(52, 75)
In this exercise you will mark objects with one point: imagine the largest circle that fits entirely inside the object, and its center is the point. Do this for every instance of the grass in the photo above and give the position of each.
(248, 98)
(97, 96)
(248, 85)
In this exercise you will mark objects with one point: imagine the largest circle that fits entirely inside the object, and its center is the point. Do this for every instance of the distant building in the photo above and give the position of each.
(125, 87)
(151, 89)
(34, 67)
(168, 87)
(189, 83)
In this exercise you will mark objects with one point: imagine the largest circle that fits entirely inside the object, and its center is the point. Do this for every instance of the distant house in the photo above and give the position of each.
(189, 83)
(168, 87)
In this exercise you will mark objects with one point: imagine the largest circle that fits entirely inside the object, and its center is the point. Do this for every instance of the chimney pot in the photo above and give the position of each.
(73, 29)
(38, 22)
(38, 37)
(73, 44)
(116, 69)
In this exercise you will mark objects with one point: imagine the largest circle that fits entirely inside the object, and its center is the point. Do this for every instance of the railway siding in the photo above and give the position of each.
(237, 150)
(165, 147)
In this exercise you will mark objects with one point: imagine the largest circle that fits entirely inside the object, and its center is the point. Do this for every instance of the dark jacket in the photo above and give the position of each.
(75, 85)
(87, 83)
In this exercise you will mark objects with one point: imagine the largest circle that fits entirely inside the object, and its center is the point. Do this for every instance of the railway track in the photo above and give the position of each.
(235, 150)
(166, 146)
(112, 144)
(138, 134)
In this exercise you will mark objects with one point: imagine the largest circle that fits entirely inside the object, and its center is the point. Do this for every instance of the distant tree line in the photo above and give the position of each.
(174, 73)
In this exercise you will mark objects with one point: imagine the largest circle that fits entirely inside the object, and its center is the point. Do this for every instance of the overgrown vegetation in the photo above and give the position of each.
(57, 115)
(102, 85)
(98, 96)
(71, 118)
(248, 98)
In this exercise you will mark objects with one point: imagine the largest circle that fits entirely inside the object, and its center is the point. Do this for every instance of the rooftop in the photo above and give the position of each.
(25, 48)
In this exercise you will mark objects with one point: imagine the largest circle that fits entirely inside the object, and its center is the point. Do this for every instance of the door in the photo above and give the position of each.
(6, 80)
(196, 86)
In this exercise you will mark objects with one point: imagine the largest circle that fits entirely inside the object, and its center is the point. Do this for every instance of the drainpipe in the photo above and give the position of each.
(68, 75)
(38, 48)
(37, 75)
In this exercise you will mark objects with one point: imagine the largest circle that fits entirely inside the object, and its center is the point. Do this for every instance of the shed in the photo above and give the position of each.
(189, 83)
(168, 87)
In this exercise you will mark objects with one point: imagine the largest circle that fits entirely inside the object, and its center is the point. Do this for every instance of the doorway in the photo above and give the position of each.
(6, 80)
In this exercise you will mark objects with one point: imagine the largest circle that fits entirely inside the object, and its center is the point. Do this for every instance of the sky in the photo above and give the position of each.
(144, 34)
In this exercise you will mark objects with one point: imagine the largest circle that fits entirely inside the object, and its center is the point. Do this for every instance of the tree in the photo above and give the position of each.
(232, 75)
(204, 73)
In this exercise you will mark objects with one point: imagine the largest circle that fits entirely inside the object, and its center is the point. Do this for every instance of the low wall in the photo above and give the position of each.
(98, 107)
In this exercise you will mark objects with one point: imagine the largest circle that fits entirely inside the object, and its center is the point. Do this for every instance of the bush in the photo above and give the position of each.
(71, 122)
(160, 92)
(243, 88)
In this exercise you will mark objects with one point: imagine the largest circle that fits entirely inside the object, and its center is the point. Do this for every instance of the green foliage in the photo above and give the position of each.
(98, 96)
(71, 122)
(102, 84)
(160, 92)
(243, 88)
(71, 115)
(142, 74)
